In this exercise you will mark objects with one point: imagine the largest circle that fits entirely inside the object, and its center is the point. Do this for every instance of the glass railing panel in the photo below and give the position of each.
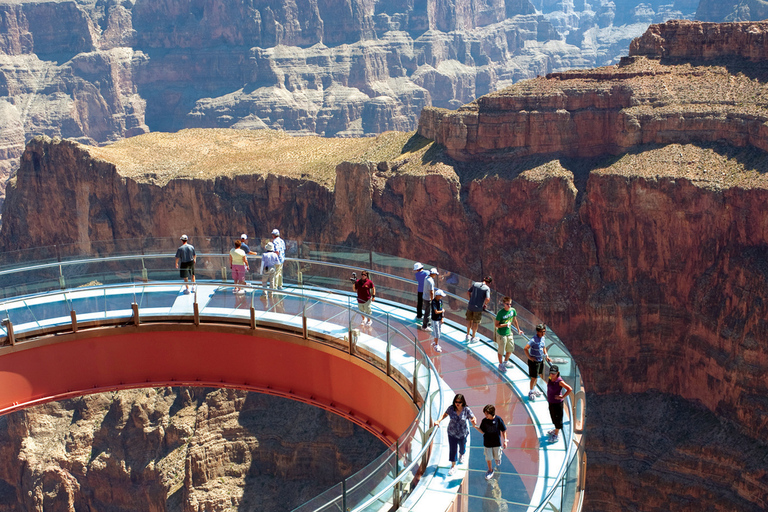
(20, 316)
(26, 257)
(30, 281)
(375, 478)
(329, 501)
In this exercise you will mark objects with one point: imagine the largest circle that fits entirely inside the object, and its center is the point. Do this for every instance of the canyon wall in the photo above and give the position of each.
(175, 449)
(626, 206)
(97, 72)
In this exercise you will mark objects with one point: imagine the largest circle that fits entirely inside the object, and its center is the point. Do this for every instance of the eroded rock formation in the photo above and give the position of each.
(175, 449)
(97, 72)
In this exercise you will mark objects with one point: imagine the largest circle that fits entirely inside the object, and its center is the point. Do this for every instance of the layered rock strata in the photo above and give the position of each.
(97, 72)
(175, 449)
(612, 109)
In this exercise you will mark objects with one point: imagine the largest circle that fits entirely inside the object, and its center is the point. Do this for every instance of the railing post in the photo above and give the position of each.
(304, 331)
(73, 314)
(135, 308)
(389, 350)
(9, 329)
(396, 489)
(353, 333)
(344, 495)
(62, 283)
(196, 309)
(253, 318)
(144, 273)
(415, 371)
(223, 273)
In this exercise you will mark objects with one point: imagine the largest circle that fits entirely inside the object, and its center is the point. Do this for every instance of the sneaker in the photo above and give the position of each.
(508, 363)
(369, 322)
(462, 458)
(426, 329)
(438, 348)
(452, 471)
(551, 433)
(186, 291)
(502, 368)
(553, 438)
(531, 396)
(537, 392)
(468, 338)
(489, 475)
(475, 339)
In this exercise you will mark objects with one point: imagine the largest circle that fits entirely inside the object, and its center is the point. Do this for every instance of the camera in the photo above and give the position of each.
(354, 277)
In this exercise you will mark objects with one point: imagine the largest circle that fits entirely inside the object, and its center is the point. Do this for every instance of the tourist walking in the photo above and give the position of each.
(556, 397)
(366, 292)
(505, 342)
(536, 352)
(185, 261)
(279, 244)
(430, 285)
(421, 276)
(458, 431)
(494, 431)
(479, 296)
(269, 261)
(238, 263)
(437, 312)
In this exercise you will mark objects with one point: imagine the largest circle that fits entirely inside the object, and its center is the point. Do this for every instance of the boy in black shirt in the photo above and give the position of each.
(436, 307)
(493, 429)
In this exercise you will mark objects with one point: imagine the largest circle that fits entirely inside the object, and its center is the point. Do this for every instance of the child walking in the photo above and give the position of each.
(437, 319)
(494, 430)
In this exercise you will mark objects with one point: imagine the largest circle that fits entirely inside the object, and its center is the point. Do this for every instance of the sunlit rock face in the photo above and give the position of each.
(97, 72)
(175, 449)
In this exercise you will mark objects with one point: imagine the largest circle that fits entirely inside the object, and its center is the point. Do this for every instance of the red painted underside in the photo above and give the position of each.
(52, 368)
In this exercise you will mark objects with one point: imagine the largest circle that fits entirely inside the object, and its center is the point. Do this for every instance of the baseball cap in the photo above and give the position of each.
(439, 293)
(417, 266)
(434, 271)
(276, 232)
(184, 237)
(554, 369)
(270, 247)
(243, 237)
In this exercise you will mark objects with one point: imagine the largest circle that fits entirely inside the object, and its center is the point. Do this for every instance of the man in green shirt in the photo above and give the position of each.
(505, 318)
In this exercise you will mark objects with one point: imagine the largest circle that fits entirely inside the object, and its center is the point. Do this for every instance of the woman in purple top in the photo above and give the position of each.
(556, 397)
(458, 431)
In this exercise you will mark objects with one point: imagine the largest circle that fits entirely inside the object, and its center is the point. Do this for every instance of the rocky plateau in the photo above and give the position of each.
(99, 71)
(627, 205)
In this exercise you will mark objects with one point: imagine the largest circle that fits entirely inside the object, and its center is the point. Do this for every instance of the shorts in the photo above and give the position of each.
(365, 307)
(505, 343)
(474, 316)
(436, 325)
(535, 368)
(186, 269)
(238, 273)
(492, 453)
